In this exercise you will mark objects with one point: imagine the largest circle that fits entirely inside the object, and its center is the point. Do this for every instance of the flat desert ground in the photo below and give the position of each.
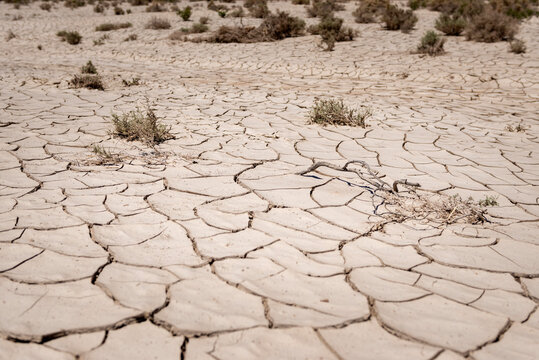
(214, 245)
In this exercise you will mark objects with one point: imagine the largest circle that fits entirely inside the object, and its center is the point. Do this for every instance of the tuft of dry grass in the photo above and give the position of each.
(113, 26)
(10, 35)
(156, 23)
(71, 37)
(334, 112)
(257, 8)
(142, 126)
(517, 46)
(105, 157)
(88, 81)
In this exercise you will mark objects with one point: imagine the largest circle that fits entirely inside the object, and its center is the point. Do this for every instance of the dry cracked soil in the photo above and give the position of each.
(214, 245)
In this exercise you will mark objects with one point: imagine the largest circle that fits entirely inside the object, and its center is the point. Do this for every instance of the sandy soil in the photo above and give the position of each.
(211, 246)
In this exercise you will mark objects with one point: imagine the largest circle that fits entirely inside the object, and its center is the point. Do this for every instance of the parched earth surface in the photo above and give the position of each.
(212, 246)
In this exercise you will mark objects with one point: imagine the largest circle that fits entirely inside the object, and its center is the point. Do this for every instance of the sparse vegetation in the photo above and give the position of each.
(431, 44)
(369, 10)
(45, 6)
(274, 27)
(185, 13)
(87, 81)
(155, 7)
(517, 128)
(105, 157)
(118, 11)
(113, 26)
(518, 9)
(257, 8)
(72, 4)
(323, 8)
(142, 126)
(491, 26)
(133, 82)
(71, 37)
(10, 35)
(517, 46)
(452, 25)
(131, 37)
(334, 112)
(396, 18)
(204, 20)
(101, 40)
(331, 30)
(488, 201)
(98, 8)
(235, 12)
(89, 68)
(156, 23)
(300, 2)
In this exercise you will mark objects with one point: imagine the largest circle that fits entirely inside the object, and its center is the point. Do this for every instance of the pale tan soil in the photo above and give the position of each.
(214, 247)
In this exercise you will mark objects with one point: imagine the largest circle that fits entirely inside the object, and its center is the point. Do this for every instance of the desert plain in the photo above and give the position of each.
(220, 242)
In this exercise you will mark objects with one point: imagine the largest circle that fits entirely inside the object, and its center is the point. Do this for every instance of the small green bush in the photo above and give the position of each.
(399, 19)
(185, 13)
(334, 112)
(518, 9)
(331, 30)
(452, 25)
(431, 44)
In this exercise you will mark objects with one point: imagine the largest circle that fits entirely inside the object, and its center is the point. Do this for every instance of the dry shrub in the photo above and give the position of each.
(369, 10)
(71, 37)
(416, 4)
(45, 6)
(281, 25)
(257, 8)
(517, 46)
(452, 25)
(396, 18)
(72, 4)
(89, 68)
(431, 44)
(113, 26)
(323, 8)
(334, 112)
(156, 23)
(518, 9)
(301, 2)
(274, 27)
(331, 30)
(217, 7)
(87, 81)
(438, 208)
(491, 26)
(104, 156)
(236, 12)
(155, 7)
(142, 126)
(466, 8)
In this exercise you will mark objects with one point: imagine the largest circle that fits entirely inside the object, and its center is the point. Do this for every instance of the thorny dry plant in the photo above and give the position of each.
(412, 203)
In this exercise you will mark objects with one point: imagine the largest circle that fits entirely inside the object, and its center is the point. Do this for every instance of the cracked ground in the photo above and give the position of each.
(213, 246)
